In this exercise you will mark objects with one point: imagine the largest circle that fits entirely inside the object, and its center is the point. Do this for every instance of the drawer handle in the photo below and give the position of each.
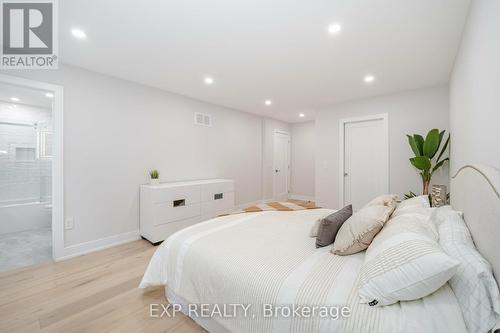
(180, 202)
(218, 196)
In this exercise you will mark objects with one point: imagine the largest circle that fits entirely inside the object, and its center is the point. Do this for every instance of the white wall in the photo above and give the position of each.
(409, 112)
(475, 89)
(269, 126)
(303, 162)
(115, 131)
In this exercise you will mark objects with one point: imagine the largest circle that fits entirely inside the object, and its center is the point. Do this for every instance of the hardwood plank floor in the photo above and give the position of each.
(92, 293)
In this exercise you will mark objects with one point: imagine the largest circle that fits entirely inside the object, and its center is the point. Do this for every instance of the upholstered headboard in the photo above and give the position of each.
(475, 190)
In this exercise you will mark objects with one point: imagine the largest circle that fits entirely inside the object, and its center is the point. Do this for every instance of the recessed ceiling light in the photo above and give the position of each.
(78, 33)
(49, 95)
(369, 78)
(268, 102)
(14, 99)
(209, 80)
(301, 115)
(334, 28)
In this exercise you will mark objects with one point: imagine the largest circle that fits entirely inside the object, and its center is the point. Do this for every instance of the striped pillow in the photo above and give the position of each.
(404, 262)
(474, 284)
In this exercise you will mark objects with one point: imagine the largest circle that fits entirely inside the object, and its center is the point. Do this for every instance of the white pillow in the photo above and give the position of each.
(440, 214)
(404, 262)
(412, 205)
(315, 228)
(473, 284)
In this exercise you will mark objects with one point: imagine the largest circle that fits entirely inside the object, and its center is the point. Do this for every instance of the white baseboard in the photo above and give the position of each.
(301, 197)
(98, 244)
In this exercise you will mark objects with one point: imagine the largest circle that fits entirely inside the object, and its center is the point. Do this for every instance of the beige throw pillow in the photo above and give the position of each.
(384, 200)
(358, 231)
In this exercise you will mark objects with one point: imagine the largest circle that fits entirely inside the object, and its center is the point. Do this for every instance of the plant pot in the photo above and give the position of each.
(154, 181)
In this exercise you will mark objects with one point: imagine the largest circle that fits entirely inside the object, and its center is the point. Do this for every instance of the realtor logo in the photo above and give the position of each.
(29, 34)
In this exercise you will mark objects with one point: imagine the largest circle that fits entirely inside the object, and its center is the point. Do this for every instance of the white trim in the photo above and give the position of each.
(385, 118)
(58, 249)
(98, 244)
(301, 197)
(288, 160)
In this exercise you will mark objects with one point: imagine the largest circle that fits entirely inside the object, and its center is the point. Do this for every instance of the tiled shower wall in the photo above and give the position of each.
(24, 176)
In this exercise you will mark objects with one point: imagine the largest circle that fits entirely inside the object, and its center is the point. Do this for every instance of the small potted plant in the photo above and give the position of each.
(425, 150)
(155, 177)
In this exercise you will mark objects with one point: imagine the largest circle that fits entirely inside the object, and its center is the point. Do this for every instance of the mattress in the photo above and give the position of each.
(267, 262)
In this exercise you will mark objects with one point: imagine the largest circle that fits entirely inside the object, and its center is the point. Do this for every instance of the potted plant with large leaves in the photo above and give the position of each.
(425, 150)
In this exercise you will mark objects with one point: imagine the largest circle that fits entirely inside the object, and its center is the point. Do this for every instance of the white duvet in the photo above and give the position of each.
(267, 258)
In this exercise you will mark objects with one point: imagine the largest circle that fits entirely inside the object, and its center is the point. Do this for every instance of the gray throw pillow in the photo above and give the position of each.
(330, 225)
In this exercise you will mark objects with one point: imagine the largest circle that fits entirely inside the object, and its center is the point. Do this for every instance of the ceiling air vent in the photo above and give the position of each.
(202, 119)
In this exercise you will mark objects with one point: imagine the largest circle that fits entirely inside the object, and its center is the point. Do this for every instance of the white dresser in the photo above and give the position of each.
(169, 207)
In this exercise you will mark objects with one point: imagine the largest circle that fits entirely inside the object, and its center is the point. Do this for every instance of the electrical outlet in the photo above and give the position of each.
(69, 223)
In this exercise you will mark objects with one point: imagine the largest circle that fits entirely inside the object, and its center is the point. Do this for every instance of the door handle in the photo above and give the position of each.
(276, 171)
(346, 174)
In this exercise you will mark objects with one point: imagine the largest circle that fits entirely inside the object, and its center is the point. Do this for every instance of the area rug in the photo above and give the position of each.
(289, 205)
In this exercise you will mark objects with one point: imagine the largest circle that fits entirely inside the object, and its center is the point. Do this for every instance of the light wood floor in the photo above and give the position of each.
(92, 293)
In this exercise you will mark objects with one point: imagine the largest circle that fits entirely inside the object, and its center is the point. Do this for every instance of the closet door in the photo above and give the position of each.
(365, 161)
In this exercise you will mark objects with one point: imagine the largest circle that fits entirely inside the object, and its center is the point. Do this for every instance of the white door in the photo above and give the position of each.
(366, 162)
(281, 165)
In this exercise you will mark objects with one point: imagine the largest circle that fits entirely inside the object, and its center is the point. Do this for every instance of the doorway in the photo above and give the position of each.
(281, 165)
(364, 159)
(30, 172)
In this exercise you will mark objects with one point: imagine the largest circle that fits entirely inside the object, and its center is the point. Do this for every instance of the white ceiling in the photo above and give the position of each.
(267, 49)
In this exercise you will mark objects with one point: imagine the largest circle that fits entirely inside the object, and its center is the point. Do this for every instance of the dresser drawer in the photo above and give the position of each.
(214, 208)
(161, 232)
(168, 207)
(191, 194)
(165, 212)
(208, 191)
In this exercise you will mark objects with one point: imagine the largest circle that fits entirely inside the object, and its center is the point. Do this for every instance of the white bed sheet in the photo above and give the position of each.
(269, 258)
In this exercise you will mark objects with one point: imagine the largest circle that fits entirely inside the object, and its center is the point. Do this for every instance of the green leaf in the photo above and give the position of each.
(154, 174)
(421, 162)
(419, 140)
(409, 195)
(413, 145)
(438, 165)
(431, 143)
(444, 148)
(441, 134)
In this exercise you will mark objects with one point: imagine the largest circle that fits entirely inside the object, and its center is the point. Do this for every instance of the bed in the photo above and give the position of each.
(266, 263)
